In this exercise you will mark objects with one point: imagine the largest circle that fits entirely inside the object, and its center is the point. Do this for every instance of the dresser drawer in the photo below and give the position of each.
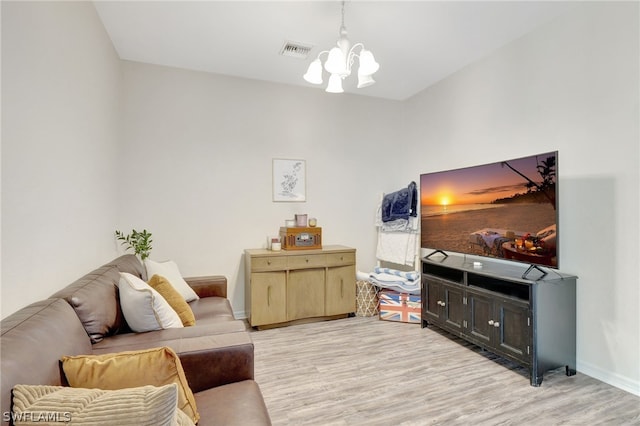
(270, 263)
(307, 261)
(339, 259)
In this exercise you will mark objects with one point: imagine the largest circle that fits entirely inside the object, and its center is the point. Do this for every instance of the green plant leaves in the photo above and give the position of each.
(139, 242)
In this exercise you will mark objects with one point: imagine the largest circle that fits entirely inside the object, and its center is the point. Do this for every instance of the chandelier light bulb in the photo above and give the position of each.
(365, 80)
(336, 62)
(314, 72)
(368, 64)
(335, 84)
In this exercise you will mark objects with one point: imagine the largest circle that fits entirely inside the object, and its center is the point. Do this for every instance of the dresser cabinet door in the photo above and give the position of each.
(305, 294)
(341, 290)
(268, 295)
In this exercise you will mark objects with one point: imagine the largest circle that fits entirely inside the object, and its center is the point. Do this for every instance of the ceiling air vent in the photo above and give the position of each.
(295, 50)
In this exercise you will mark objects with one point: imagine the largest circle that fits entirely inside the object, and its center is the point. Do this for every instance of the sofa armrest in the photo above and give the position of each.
(209, 286)
(216, 360)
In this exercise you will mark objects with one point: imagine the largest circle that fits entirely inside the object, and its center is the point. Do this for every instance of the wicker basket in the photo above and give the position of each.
(366, 299)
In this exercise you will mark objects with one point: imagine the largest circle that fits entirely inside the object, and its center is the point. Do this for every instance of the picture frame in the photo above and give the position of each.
(289, 180)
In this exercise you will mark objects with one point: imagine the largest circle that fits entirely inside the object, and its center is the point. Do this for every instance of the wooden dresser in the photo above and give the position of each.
(288, 287)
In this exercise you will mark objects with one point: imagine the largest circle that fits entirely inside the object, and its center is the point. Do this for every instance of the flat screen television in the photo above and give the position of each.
(507, 210)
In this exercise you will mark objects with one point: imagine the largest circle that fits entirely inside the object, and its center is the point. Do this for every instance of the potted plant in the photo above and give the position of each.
(139, 242)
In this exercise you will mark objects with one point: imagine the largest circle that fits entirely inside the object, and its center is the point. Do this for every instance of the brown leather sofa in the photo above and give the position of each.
(85, 318)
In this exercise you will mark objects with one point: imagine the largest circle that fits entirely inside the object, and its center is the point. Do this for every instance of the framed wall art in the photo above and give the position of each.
(289, 180)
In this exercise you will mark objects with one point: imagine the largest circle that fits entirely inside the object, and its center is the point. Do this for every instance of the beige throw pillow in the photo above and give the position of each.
(156, 366)
(175, 299)
(146, 405)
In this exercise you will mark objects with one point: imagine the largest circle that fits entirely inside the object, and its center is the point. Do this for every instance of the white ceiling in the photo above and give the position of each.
(417, 43)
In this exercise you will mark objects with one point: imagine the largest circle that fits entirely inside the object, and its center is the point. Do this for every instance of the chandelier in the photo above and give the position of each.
(339, 62)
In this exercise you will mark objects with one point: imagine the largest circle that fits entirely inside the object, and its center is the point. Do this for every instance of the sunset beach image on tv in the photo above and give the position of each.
(507, 209)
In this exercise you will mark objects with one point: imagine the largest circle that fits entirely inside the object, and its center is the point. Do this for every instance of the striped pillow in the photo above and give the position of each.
(145, 405)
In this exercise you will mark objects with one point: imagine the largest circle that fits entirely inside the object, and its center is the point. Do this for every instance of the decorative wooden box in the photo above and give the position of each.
(299, 238)
(400, 307)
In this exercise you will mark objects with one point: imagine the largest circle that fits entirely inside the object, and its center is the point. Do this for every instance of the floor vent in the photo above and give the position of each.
(296, 50)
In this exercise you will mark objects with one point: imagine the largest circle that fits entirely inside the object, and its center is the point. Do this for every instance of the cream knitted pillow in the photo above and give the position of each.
(146, 405)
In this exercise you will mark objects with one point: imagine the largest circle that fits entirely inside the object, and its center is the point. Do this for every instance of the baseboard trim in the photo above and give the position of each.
(613, 379)
(240, 314)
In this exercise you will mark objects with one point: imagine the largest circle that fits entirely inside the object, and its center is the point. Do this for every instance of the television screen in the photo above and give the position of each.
(506, 209)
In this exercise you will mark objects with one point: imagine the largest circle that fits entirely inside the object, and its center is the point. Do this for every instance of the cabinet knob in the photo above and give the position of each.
(268, 262)
(496, 324)
(490, 322)
(307, 260)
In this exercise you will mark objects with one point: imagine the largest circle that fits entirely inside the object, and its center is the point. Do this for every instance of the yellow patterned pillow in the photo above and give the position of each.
(146, 405)
(156, 366)
(175, 299)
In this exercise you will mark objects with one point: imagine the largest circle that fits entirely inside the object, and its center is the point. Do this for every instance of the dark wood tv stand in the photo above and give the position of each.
(531, 321)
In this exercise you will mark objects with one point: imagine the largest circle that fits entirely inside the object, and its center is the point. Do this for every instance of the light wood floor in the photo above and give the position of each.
(363, 371)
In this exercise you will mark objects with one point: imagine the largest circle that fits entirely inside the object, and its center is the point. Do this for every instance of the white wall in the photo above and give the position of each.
(197, 154)
(60, 92)
(572, 85)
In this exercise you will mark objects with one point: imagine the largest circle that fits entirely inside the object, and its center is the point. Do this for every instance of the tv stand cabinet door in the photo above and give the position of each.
(432, 300)
(443, 304)
(514, 336)
(453, 310)
(480, 325)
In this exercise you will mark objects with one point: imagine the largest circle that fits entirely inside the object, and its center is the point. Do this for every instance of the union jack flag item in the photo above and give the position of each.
(400, 307)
